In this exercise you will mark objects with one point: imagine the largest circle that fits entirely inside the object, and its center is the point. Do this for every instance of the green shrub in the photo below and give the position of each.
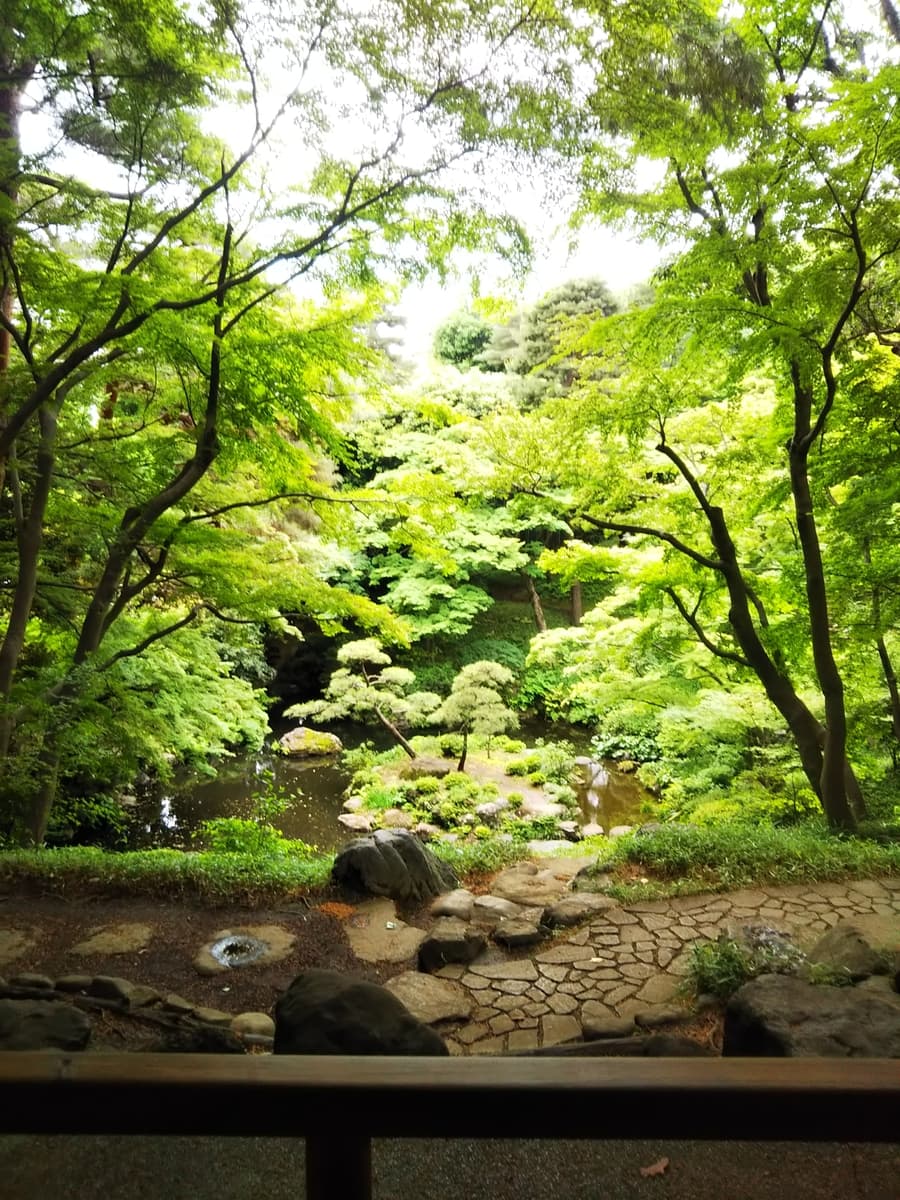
(80, 820)
(233, 835)
(537, 829)
(450, 744)
(722, 966)
(557, 761)
(509, 745)
(515, 800)
(537, 778)
(426, 785)
(379, 796)
(523, 766)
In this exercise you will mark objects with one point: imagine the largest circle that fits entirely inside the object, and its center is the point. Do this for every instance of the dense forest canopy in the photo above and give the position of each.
(670, 515)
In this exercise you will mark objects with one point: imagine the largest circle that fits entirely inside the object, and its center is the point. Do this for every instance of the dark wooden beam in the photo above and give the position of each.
(825, 1099)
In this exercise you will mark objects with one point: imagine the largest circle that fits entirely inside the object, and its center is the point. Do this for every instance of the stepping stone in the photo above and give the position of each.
(126, 937)
(29, 979)
(523, 969)
(111, 987)
(660, 1014)
(213, 1016)
(522, 1039)
(659, 989)
(429, 999)
(14, 943)
(571, 910)
(376, 934)
(491, 910)
(530, 885)
(457, 903)
(556, 1029)
(597, 1022)
(517, 933)
(450, 940)
(73, 983)
(565, 953)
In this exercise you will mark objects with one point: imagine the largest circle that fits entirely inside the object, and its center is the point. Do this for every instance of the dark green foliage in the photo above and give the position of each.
(461, 338)
(719, 968)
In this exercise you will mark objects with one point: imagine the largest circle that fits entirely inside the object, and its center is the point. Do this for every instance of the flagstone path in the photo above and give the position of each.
(630, 961)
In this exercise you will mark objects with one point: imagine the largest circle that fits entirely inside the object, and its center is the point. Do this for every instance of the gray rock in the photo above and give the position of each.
(353, 804)
(42, 1025)
(213, 1016)
(376, 933)
(457, 903)
(572, 830)
(429, 999)
(780, 1016)
(592, 829)
(450, 940)
(426, 832)
(548, 845)
(73, 983)
(597, 1023)
(323, 1012)
(420, 768)
(491, 910)
(255, 1024)
(517, 932)
(359, 822)
(111, 987)
(529, 884)
(864, 945)
(396, 818)
(658, 1014)
(309, 743)
(574, 909)
(490, 811)
(30, 980)
(618, 831)
(392, 862)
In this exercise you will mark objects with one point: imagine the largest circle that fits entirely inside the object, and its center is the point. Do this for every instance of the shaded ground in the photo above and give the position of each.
(217, 1169)
(179, 931)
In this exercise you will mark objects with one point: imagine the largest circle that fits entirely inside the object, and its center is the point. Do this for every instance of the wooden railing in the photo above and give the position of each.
(839, 1100)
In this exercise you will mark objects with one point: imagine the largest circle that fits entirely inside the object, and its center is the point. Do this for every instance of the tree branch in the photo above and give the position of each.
(691, 619)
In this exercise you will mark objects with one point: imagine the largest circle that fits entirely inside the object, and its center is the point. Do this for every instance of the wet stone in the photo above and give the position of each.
(521, 969)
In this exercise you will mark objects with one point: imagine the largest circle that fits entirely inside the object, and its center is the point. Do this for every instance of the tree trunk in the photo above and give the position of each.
(834, 750)
(890, 679)
(29, 539)
(461, 765)
(536, 606)
(576, 604)
(395, 733)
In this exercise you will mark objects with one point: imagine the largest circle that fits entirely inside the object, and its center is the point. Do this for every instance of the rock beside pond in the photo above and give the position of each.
(359, 822)
(394, 863)
(42, 1025)
(323, 1012)
(309, 743)
(784, 1017)
(396, 818)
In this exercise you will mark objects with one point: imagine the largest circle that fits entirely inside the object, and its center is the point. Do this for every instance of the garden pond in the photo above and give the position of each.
(171, 815)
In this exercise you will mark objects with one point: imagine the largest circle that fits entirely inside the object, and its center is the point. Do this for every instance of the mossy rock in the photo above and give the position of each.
(419, 768)
(309, 743)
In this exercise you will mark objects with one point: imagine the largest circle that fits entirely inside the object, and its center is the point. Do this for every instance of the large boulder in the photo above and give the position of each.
(42, 1025)
(309, 743)
(392, 862)
(861, 946)
(781, 1016)
(421, 768)
(323, 1012)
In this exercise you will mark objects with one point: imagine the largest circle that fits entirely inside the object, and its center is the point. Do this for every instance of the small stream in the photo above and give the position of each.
(170, 815)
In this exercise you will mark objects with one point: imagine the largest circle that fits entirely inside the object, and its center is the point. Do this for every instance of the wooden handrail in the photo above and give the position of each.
(809, 1099)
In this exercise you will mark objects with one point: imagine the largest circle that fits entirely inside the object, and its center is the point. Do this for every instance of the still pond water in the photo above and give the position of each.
(170, 816)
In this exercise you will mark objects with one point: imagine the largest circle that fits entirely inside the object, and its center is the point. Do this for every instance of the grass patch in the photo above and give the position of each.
(208, 877)
(736, 855)
(480, 857)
